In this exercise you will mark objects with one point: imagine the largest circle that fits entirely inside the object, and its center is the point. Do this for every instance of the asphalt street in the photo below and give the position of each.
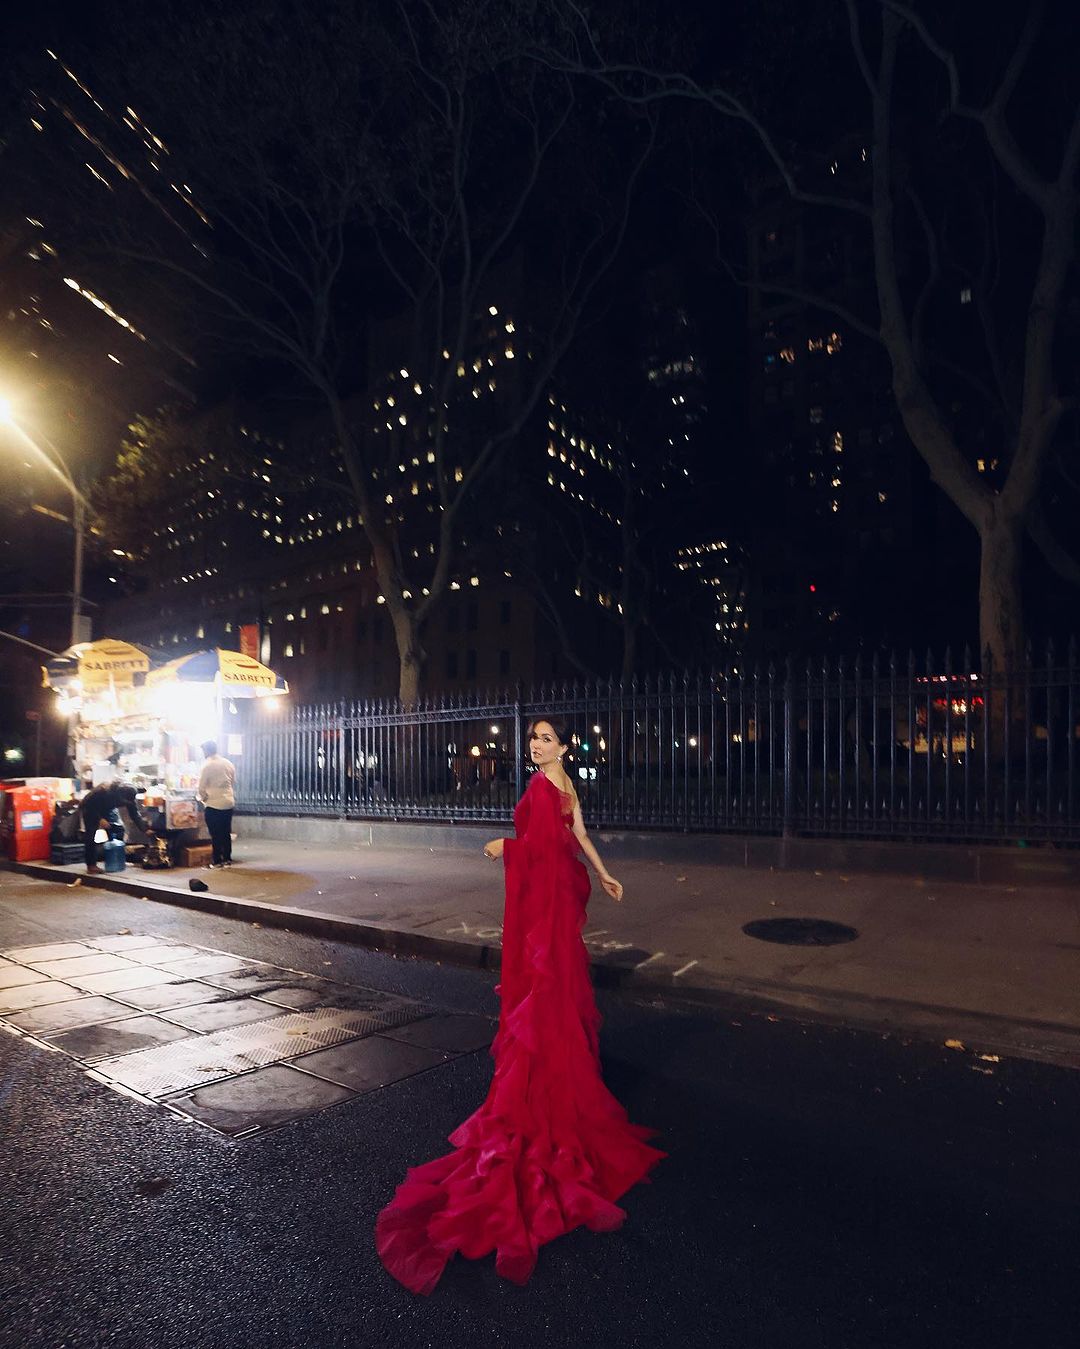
(825, 1186)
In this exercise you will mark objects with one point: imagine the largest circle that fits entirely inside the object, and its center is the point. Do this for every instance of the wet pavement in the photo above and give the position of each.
(825, 1188)
(238, 1045)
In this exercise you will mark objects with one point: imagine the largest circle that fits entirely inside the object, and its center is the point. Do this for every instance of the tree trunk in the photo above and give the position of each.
(1001, 607)
(411, 652)
(630, 646)
(409, 682)
(1001, 626)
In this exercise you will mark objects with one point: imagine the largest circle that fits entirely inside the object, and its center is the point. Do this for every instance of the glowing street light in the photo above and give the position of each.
(54, 461)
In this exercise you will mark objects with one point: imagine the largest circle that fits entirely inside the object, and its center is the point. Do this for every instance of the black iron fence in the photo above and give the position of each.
(876, 749)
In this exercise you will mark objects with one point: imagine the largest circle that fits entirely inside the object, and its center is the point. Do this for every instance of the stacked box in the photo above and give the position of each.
(63, 854)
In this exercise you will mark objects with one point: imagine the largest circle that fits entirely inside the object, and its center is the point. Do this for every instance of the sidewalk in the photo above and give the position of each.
(995, 967)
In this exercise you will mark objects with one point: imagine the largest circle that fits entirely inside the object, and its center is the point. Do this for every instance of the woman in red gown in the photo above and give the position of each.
(550, 1149)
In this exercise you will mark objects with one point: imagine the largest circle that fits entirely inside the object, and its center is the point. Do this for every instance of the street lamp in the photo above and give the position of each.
(54, 461)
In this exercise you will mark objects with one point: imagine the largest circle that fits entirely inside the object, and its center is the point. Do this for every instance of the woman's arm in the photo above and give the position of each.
(610, 884)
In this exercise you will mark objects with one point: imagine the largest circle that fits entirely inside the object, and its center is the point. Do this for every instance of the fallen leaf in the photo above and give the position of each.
(845, 878)
(327, 962)
(770, 1017)
(680, 878)
(954, 1044)
(76, 881)
(976, 1069)
(990, 1058)
(124, 932)
(256, 925)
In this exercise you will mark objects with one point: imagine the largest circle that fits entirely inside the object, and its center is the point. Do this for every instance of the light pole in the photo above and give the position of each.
(54, 461)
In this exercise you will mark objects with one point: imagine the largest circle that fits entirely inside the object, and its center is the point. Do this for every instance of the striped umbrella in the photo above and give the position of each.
(233, 673)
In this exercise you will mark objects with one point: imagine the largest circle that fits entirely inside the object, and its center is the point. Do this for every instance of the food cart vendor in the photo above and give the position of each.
(102, 805)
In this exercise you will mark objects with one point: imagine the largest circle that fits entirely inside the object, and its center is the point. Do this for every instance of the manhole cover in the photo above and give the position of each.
(800, 931)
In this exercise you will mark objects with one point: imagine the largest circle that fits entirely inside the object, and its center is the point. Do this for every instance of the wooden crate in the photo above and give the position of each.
(196, 855)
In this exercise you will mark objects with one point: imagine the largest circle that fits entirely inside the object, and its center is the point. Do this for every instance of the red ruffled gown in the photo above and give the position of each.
(550, 1149)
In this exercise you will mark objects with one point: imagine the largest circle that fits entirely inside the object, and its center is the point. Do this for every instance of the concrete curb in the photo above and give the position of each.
(1045, 1041)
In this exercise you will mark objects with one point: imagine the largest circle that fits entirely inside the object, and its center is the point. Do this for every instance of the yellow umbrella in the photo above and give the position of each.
(232, 672)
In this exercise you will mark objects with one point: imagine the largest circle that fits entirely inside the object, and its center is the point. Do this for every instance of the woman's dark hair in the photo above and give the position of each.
(560, 725)
(209, 747)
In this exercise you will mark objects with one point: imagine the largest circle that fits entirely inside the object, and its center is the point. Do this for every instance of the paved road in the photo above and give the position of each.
(825, 1187)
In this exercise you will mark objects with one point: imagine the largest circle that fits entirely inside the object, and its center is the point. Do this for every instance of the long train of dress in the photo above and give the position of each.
(551, 1148)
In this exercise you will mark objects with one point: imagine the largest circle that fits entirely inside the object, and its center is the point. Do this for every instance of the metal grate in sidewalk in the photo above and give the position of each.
(274, 1065)
(227, 1053)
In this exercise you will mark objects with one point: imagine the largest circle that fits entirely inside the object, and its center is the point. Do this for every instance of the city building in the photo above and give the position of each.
(843, 504)
(721, 566)
(255, 530)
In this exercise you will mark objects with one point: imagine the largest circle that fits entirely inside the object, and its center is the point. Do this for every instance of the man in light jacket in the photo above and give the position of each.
(216, 790)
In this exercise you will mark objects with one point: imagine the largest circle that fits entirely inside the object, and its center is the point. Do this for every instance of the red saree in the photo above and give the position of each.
(550, 1149)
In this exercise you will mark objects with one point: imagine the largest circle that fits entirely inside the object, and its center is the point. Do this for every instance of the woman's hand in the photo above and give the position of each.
(494, 849)
(612, 887)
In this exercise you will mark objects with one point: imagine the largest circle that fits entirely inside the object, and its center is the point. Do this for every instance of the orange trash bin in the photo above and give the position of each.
(28, 817)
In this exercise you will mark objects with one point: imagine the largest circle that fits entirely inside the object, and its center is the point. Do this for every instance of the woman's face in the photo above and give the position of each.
(544, 747)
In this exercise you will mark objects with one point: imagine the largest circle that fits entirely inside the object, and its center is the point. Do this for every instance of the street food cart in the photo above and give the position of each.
(144, 723)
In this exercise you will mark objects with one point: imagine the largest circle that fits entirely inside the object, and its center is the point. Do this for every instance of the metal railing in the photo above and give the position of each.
(875, 749)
